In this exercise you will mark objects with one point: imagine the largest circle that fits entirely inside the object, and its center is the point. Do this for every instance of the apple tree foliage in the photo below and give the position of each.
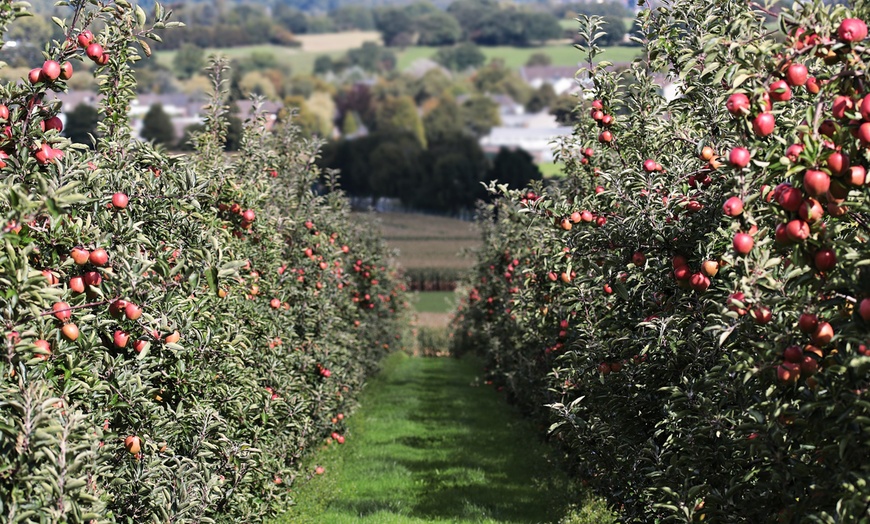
(177, 331)
(692, 303)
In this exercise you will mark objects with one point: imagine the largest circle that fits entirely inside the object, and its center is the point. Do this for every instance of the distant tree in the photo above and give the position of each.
(496, 78)
(480, 115)
(372, 57)
(563, 108)
(290, 19)
(471, 13)
(539, 26)
(516, 168)
(393, 22)
(615, 31)
(257, 83)
(302, 116)
(188, 61)
(81, 122)
(437, 29)
(185, 143)
(323, 64)
(594, 8)
(430, 85)
(353, 17)
(445, 120)
(460, 57)
(455, 168)
(350, 124)
(157, 126)
(542, 98)
(320, 24)
(539, 59)
(400, 114)
(235, 128)
(356, 98)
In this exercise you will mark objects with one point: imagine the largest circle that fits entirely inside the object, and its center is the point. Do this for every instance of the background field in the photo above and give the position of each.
(301, 60)
(426, 241)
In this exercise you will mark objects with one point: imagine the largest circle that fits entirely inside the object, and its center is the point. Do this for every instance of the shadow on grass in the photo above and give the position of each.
(468, 456)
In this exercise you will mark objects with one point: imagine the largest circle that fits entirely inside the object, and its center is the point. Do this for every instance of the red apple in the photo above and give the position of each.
(816, 183)
(790, 198)
(764, 124)
(70, 331)
(743, 243)
(841, 105)
(61, 310)
(825, 259)
(762, 315)
(733, 207)
(85, 38)
(35, 76)
(809, 366)
(132, 311)
(116, 308)
(99, 257)
(794, 152)
(682, 273)
(813, 85)
(788, 372)
(94, 51)
(823, 334)
(605, 137)
(699, 282)
(857, 176)
(793, 354)
(863, 133)
(120, 200)
(852, 30)
(120, 338)
(133, 444)
(796, 74)
(864, 309)
(51, 70)
(838, 163)
(808, 322)
(248, 215)
(739, 157)
(797, 230)
(811, 211)
(77, 284)
(780, 91)
(93, 278)
(710, 268)
(736, 301)
(649, 165)
(4, 113)
(52, 124)
(66, 71)
(638, 259)
(737, 104)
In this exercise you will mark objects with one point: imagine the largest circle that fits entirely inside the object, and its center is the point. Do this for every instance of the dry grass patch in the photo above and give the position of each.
(343, 41)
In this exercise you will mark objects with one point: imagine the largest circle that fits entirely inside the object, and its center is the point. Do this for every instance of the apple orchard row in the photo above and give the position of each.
(692, 303)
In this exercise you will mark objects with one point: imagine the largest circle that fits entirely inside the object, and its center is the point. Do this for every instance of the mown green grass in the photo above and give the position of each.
(434, 301)
(432, 443)
(515, 57)
(551, 169)
(302, 62)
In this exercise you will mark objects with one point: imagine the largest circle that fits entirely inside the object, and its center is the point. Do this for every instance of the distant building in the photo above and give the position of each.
(563, 79)
(537, 141)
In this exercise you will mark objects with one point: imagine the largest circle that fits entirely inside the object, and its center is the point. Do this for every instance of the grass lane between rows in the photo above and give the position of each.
(432, 443)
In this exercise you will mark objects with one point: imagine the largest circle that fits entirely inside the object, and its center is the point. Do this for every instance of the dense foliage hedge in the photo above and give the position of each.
(696, 315)
(178, 332)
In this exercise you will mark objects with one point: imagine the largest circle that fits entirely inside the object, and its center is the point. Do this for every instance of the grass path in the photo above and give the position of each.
(431, 443)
